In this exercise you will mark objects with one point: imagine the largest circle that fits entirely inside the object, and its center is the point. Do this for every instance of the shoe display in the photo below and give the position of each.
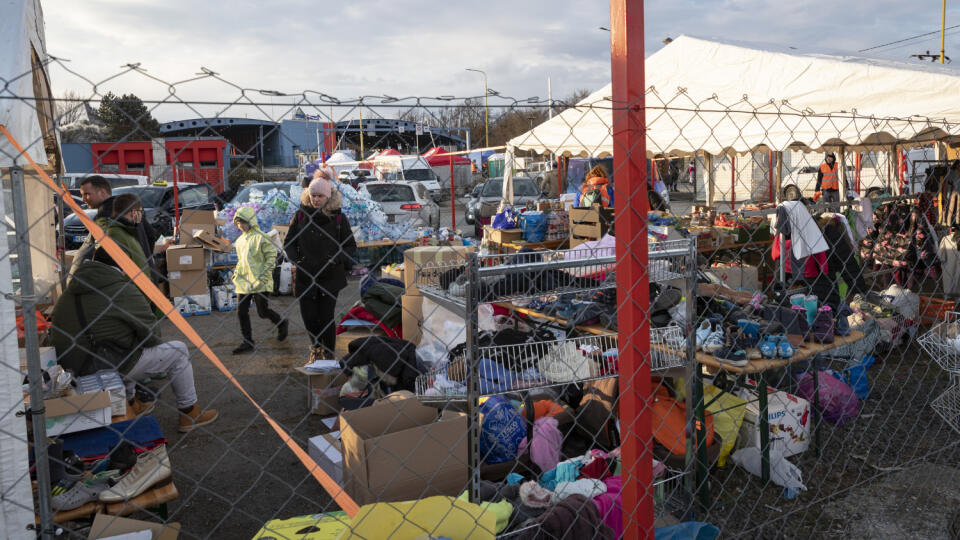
(244, 347)
(768, 346)
(152, 468)
(141, 408)
(784, 348)
(283, 329)
(733, 351)
(194, 418)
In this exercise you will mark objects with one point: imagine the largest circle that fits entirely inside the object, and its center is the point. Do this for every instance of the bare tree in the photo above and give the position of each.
(69, 108)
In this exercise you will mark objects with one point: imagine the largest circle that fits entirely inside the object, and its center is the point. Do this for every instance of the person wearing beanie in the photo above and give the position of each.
(253, 277)
(828, 180)
(596, 189)
(320, 244)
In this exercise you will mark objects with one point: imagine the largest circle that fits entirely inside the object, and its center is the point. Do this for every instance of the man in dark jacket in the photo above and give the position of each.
(320, 244)
(102, 309)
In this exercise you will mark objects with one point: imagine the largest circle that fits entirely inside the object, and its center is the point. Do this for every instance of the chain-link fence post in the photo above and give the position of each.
(32, 345)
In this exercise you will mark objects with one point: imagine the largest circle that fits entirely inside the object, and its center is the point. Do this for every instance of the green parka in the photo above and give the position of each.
(256, 257)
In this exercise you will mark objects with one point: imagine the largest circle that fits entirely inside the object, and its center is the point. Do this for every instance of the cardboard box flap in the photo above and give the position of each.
(198, 216)
(208, 240)
(388, 417)
(105, 526)
(417, 456)
(77, 403)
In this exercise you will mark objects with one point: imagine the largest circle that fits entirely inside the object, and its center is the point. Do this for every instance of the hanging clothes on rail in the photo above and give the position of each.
(949, 257)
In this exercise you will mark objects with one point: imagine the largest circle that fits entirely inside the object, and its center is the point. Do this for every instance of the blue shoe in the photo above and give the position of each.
(784, 348)
(768, 346)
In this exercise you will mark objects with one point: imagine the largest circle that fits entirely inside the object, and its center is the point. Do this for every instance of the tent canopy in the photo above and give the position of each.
(714, 96)
(437, 156)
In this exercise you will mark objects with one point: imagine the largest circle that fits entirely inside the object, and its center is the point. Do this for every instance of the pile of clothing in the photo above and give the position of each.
(903, 239)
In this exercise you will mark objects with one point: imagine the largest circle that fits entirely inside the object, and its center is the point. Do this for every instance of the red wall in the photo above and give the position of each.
(193, 160)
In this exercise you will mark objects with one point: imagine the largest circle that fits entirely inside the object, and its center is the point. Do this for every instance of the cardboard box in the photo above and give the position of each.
(197, 304)
(344, 339)
(107, 526)
(211, 241)
(430, 262)
(323, 391)
(589, 224)
(68, 257)
(281, 232)
(412, 318)
(738, 277)
(187, 282)
(789, 417)
(387, 272)
(186, 258)
(327, 451)
(48, 358)
(109, 381)
(399, 451)
(78, 412)
(502, 236)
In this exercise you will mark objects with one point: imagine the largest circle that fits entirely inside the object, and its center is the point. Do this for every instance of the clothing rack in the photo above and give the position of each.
(490, 370)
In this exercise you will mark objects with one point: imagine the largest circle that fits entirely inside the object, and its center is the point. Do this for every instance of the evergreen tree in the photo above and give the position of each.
(127, 119)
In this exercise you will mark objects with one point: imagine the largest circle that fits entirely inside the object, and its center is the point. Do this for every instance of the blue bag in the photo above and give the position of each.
(507, 219)
(534, 227)
(856, 376)
(501, 430)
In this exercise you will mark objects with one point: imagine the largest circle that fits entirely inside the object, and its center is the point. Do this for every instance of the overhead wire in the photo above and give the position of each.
(907, 39)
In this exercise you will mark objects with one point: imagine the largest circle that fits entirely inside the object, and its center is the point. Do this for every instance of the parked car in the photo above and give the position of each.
(483, 204)
(157, 204)
(475, 194)
(73, 180)
(290, 189)
(404, 202)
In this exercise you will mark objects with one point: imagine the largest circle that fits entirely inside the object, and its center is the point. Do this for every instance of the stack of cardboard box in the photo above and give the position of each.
(188, 262)
(422, 261)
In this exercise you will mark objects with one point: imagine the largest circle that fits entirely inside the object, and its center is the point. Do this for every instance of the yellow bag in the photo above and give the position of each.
(317, 527)
(727, 412)
(437, 516)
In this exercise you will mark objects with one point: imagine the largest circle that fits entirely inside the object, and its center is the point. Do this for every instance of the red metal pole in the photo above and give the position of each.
(176, 202)
(733, 182)
(453, 201)
(559, 176)
(770, 171)
(633, 294)
(856, 176)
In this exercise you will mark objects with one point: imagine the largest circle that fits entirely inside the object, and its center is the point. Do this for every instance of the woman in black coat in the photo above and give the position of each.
(321, 245)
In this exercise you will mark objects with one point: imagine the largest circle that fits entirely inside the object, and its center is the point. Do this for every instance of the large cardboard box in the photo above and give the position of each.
(282, 231)
(187, 282)
(323, 391)
(739, 277)
(789, 417)
(412, 318)
(78, 412)
(502, 236)
(186, 258)
(107, 526)
(327, 451)
(400, 451)
(211, 241)
(430, 262)
(193, 222)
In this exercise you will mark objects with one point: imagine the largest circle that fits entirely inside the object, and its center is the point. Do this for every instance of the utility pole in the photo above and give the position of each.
(943, 28)
(486, 109)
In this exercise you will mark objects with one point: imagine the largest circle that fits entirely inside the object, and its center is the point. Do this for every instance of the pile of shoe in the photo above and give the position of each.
(107, 483)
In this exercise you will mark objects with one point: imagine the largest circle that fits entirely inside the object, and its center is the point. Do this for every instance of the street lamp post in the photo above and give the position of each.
(486, 110)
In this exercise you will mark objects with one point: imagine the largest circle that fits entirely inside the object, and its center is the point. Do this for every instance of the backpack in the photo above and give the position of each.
(592, 196)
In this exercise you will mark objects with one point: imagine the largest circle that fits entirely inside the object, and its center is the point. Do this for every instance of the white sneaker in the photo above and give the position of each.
(152, 468)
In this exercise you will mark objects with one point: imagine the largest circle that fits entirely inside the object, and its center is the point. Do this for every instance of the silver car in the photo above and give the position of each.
(404, 202)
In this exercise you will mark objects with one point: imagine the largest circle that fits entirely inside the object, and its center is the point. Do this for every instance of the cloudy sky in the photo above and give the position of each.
(415, 48)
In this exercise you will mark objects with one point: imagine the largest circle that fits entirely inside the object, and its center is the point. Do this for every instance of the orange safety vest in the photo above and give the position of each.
(598, 183)
(830, 179)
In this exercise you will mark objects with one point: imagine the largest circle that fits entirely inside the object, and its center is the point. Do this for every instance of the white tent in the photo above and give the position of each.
(715, 97)
(22, 52)
(342, 161)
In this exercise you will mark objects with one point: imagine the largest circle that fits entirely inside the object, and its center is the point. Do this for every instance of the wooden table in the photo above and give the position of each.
(384, 243)
(536, 246)
(155, 497)
(808, 352)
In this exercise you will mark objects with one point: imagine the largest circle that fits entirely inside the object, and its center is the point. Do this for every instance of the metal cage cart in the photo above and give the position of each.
(479, 371)
(942, 343)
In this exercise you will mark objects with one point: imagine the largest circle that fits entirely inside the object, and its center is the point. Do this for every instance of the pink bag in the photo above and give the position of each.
(838, 402)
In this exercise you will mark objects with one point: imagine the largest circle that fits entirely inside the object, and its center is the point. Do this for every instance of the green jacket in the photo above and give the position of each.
(124, 233)
(115, 311)
(256, 257)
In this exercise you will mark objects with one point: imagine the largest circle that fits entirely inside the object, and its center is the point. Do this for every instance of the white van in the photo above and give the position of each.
(73, 180)
(410, 169)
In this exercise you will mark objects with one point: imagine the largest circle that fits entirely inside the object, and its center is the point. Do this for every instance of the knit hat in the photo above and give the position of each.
(320, 186)
(535, 496)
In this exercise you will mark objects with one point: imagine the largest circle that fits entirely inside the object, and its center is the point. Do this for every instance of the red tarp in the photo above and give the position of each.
(437, 156)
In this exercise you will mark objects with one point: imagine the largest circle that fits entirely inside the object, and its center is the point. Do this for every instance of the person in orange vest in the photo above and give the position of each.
(596, 189)
(828, 179)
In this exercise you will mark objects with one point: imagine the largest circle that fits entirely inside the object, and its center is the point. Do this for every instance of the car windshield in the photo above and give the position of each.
(419, 175)
(259, 191)
(384, 193)
(150, 196)
(522, 187)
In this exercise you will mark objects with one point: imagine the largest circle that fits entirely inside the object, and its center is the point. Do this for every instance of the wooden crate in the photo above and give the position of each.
(589, 224)
(502, 236)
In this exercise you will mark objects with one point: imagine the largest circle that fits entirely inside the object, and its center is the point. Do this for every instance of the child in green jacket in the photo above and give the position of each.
(253, 277)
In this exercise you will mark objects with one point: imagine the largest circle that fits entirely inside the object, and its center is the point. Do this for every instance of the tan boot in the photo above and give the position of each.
(194, 417)
(141, 408)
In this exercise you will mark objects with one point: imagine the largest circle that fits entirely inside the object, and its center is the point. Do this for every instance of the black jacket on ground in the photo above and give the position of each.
(394, 359)
(322, 247)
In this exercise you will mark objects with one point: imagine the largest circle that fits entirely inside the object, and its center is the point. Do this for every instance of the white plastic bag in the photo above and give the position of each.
(286, 278)
(442, 330)
(782, 472)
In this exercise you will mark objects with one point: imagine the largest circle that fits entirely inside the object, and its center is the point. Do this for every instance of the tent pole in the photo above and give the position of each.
(453, 201)
(710, 177)
(770, 175)
(733, 181)
(778, 179)
(842, 158)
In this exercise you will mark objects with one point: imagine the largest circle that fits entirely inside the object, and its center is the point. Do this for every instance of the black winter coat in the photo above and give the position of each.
(394, 359)
(323, 249)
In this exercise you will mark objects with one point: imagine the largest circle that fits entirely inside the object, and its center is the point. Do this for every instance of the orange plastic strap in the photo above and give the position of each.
(142, 280)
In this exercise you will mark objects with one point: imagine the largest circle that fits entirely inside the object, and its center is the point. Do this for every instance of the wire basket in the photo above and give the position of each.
(668, 348)
(942, 343)
(948, 407)
(668, 490)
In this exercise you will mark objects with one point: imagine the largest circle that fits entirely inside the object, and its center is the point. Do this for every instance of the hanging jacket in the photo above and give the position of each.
(600, 185)
(827, 177)
(321, 246)
(115, 310)
(256, 257)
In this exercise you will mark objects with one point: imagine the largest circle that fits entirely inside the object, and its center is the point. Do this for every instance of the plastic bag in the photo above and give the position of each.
(838, 402)
(856, 376)
(501, 430)
(782, 472)
(505, 219)
(534, 227)
(441, 332)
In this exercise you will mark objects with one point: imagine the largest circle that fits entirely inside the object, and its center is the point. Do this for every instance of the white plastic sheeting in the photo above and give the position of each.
(718, 96)
(21, 26)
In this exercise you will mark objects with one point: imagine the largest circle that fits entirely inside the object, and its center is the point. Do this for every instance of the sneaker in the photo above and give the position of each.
(714, 342)
(141, 408)
(80, 494)
(733, 352)
(244, 348)
(784, 348)
(283, 329)
(152, 468)
(703, 332)
(195, 418)
(768, 346)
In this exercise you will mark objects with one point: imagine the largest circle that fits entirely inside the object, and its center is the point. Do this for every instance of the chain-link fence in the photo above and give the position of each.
(594, 358)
